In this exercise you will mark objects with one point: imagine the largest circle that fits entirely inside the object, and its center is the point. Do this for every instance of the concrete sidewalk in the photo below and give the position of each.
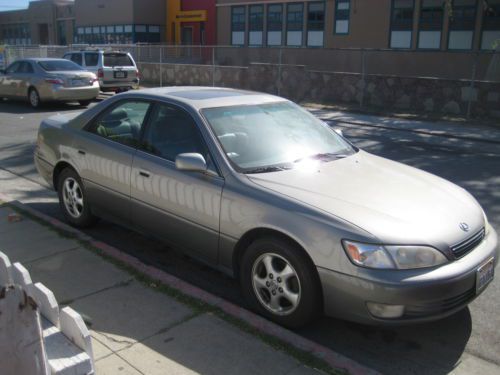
(136, 328)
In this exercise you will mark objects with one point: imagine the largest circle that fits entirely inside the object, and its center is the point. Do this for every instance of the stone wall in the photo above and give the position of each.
(379, 92)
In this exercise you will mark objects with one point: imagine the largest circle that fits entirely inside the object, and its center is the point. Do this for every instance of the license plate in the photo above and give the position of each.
(120, 74)
(484, 275)
(77, 82)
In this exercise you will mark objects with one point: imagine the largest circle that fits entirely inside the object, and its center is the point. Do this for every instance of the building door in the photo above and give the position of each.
(187, 35)
(43, 32)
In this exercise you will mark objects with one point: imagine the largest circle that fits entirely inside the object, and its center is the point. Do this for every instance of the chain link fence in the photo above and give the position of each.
(458, 83)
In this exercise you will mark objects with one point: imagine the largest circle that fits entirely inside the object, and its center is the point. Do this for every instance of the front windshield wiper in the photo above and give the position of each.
(267, 169)
(323, 156)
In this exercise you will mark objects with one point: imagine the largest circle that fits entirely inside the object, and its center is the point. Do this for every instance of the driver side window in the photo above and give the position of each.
(122, 123)
(13, 68)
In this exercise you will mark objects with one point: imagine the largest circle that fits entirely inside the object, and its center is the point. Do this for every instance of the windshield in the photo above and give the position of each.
(275, 136)
(117, 59)
(59, 65)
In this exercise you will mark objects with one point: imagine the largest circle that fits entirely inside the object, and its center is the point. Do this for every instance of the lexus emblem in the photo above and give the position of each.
(464, 227)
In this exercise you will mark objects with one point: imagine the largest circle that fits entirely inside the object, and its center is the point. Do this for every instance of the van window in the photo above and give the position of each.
(91, 59)
(76, 58)
(117, 59)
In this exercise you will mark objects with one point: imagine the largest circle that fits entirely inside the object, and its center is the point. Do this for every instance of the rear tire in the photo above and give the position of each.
(34, 98)
(84, 103)
(280, 282)
(73, 199)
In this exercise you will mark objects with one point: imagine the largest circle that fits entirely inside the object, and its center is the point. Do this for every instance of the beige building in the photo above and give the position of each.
(468, 25)
(43, 22)
(120, 21)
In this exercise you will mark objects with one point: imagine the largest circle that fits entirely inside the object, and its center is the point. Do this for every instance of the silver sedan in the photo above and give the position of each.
(261, 189)
(45, 80)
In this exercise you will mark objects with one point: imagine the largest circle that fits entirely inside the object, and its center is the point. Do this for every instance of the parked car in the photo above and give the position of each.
(46, 80)
(116, 70)
(259, 188)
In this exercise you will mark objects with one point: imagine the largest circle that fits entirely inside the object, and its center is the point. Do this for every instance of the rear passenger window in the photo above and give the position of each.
(122, 123)
(76, 58)
(91, 59)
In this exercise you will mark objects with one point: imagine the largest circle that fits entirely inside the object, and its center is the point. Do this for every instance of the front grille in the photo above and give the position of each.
(462, 248)
(434, 308)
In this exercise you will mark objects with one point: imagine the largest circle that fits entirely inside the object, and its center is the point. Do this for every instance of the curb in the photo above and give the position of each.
(334, 359)
(417, 131)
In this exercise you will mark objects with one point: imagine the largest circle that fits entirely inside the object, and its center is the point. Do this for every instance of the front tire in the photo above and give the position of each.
(34, 98)
(73, 199)
(84, 103)
(280, 282)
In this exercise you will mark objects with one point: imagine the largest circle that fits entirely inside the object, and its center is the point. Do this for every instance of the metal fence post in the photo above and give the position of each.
(471, 87)
(213, 66)
(280, 61)
(161, 68)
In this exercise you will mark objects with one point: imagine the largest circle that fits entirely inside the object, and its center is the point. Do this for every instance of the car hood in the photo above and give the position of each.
(396, 203)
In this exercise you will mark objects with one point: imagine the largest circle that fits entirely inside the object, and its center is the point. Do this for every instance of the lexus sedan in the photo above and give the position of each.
(257, 187)
(48, 80)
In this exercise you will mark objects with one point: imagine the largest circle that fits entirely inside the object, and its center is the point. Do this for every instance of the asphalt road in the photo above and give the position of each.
(470, 338)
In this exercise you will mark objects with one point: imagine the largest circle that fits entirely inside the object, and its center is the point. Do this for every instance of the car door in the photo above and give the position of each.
(178, 206)
(8, 80)
(22, 79)
(104, 153)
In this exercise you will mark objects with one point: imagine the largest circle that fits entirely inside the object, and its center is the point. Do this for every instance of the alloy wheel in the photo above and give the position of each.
(276, 284)
(34, 98)
(73, 197)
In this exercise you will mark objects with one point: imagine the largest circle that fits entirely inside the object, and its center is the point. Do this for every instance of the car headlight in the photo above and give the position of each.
(393, 257)
(486, 225)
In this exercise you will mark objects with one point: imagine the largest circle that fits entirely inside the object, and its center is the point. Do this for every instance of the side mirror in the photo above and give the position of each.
(339, 132)
(191, 162)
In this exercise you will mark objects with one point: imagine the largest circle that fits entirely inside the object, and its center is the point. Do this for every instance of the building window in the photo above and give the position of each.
(256, 25)
(315, 24)
(294, 24)
(342, 13)
(490, 38)
(274, 24)
(430, 24)
(462, 24)
(61, 33)
(238, 26)
(401, 23)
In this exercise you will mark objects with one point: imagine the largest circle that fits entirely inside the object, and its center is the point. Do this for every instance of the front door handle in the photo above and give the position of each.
(81, 152)
(144, 173)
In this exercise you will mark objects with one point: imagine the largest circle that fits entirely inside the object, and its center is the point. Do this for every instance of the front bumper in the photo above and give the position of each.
(427, 294)
(66, 94)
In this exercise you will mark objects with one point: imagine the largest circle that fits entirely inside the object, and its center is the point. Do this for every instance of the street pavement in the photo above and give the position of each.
(467, 342)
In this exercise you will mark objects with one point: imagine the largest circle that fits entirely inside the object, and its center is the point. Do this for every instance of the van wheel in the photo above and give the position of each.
(280, 282)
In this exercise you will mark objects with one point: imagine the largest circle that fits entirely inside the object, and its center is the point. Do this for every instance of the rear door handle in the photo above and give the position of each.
(144, 173)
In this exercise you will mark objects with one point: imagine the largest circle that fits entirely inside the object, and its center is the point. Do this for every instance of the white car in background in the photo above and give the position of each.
(115, 70)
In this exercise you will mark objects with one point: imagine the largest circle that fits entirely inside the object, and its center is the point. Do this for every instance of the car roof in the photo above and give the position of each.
(36, 59)
(200, 97)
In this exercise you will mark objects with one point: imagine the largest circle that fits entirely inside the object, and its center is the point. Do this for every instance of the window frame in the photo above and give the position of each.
(91, 126)
(391, 26)
(420, 29)
(287, 29)
(268, 23)
(336, 17)
(473, 29)
(483, 29)
(244, 16)
(145, 128)
(262, 9)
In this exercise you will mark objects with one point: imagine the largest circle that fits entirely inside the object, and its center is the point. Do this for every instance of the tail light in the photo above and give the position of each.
(137, 73)
(54, 81)
(100, 73)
